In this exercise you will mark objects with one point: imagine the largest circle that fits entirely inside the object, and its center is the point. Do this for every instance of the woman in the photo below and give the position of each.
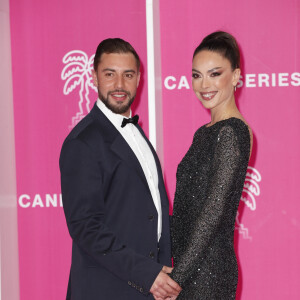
(210, 178)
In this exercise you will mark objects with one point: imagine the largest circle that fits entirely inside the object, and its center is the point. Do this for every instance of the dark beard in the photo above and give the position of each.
(117, 109)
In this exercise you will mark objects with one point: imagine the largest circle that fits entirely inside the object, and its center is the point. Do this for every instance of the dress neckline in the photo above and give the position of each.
(221, 121)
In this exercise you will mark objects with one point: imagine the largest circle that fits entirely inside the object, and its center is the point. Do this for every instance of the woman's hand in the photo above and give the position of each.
(167, 270)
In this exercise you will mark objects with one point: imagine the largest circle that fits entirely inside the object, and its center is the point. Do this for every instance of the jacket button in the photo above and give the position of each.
(151, 254)
(151, 218)
(129, 282)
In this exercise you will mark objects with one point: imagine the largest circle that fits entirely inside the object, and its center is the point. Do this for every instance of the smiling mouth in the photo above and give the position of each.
(208, 96)
(119, 96)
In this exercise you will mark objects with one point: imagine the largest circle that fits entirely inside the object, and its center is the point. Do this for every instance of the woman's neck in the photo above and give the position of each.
(225, 111)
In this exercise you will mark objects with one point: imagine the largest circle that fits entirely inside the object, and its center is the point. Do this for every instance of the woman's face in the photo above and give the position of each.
(213, 79)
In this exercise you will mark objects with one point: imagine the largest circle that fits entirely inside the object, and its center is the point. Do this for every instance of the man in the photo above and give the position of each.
(114, 198)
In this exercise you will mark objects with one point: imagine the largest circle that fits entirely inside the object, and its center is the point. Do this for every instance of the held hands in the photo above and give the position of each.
(164, 287)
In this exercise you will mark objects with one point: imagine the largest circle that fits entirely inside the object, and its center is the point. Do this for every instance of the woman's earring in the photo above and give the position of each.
(235, 88)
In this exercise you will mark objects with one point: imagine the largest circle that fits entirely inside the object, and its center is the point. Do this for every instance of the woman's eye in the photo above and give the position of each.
(214, 74)
(195, 75)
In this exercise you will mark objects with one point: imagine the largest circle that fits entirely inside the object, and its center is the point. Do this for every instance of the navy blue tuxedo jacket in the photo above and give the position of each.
(110, 214)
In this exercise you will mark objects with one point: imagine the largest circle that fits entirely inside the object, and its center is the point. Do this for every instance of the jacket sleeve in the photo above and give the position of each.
(84, 207)
(226, 161)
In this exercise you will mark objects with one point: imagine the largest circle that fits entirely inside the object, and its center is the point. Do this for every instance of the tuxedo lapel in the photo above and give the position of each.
(117, 143)
(152, 149)
(158, 166)
(123, 150)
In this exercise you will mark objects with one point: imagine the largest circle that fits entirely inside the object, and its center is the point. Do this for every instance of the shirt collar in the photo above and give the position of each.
(116, 119)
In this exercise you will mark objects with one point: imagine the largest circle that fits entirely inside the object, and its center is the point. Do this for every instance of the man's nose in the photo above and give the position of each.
(119, 84)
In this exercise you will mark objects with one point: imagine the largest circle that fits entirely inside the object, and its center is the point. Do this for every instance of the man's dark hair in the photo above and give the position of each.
(115, 45)
(222, 43)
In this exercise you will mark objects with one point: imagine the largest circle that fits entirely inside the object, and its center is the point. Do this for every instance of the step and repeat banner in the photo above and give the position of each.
(53, 43)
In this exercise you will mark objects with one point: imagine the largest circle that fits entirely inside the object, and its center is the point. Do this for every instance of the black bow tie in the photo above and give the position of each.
(132, 120)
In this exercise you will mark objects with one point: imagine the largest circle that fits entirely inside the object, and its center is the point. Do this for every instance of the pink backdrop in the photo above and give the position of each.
(50, 96)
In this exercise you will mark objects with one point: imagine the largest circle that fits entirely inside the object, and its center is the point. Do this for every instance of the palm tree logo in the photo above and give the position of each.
(78, 72)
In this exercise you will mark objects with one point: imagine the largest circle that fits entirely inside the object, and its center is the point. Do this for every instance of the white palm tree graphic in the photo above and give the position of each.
(251, 190)
(78, 72)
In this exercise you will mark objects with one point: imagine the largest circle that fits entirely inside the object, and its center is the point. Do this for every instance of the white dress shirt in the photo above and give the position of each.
(142, 152)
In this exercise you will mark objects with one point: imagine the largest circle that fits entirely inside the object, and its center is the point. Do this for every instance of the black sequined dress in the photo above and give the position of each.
(209, 184)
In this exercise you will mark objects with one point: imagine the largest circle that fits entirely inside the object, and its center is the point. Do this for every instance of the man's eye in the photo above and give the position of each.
(108, 74)
(129, 75)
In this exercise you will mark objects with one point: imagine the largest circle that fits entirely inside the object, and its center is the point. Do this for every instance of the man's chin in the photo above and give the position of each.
(120, 108)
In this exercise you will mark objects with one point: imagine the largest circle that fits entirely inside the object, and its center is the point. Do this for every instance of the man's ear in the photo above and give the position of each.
(138, 78)
(95, 80)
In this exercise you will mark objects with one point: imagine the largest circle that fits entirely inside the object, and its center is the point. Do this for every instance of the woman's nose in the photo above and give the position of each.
(205, 83)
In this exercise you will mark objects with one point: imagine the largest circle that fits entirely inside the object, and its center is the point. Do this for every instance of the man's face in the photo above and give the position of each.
(117, 79)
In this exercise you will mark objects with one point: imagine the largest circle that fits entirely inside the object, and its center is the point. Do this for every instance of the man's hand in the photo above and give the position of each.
(164, 286)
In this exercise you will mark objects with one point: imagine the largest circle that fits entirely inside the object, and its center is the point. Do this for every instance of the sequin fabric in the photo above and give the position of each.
(209, 184)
